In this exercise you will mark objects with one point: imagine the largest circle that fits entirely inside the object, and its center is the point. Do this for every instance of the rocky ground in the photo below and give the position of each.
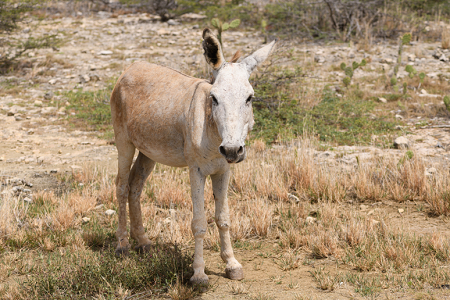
(36, 145)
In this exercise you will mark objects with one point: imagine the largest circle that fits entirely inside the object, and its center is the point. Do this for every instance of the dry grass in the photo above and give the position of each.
(445, 38)
(289, 196)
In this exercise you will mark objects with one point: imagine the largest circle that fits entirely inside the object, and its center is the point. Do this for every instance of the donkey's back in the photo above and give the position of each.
(149, 107)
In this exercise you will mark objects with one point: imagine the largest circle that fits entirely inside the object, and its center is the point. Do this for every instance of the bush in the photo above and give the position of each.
(10, 14)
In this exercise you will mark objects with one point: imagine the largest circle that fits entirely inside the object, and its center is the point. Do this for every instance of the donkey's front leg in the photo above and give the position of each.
(198, 225)
(220, 186)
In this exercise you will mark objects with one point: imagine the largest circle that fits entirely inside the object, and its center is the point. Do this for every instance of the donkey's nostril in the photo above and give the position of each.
(222, 150)
(241, 150)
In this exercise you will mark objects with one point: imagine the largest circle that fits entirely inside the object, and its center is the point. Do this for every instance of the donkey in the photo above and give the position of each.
(180, 121)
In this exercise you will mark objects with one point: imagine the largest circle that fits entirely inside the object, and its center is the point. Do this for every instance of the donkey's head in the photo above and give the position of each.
(231, 96)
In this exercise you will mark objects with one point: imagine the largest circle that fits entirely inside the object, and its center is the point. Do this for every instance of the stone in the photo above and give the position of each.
(48, 96)
(85, 220)
(48, 110)
(54, 171)
(382, 100)
(401, 143)
(173, 22)
(99, 206)
(310, 220)
(192, 17)
(400, 117)
(411, 57)
(38, 102)
(18, 118)
(10, 114)
(27, 200)
(52, 81)
(110, 212)
(105, 52)
(351, 54)
(196, 26)
(84, 78)
(387, 61)
(443, 58)
(319, 59)
(293, 198)
(423, 92)
(437, 53)
(400, 210)
(431, 171)
(94, 77)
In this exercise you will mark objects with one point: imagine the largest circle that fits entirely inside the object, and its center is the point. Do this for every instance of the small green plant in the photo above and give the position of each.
(405, 39)
(349, 70)
(263, 30)
(411, 71)
(408, 156)
(221, 27)
(447, 103)
(421, 77)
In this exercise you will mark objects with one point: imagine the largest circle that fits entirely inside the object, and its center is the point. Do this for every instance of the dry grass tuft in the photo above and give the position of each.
(179, 291)
(445, 38)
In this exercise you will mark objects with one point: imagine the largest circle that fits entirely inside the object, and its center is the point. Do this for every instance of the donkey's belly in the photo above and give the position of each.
(167, 156)
(161, 143)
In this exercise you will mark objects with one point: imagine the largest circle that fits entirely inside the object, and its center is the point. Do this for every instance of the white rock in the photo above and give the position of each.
(173, 22)
(401, 142)
(443, 58)
(397, 116)
(382, 100)
(293, 198)
(400, 210)
(47, 110)
(85, 220)
(319, 59)
(38, 102)
(52, 81)
(424, 92)
(27, 200)
(310, 220)
(411, 57)
(387, 61)
(110, 212)
(105, 52)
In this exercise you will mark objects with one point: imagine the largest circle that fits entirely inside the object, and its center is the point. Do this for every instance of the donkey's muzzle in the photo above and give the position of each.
(233, 154)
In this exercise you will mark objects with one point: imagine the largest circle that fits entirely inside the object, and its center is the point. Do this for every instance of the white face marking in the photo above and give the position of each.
(232, 109)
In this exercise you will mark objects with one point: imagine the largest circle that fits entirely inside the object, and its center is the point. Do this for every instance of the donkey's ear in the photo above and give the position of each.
(213, 51)
(250, 62)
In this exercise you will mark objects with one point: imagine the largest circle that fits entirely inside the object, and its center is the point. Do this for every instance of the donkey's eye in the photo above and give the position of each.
(214, 100)
(249, 99)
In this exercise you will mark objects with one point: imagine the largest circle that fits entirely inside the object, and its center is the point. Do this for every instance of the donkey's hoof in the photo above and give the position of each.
(122, 251)
(199, 280)
(235, 273)
(143, 248)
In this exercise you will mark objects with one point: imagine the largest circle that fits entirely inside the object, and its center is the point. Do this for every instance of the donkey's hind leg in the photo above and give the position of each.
(139, 173)
(125, 159)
